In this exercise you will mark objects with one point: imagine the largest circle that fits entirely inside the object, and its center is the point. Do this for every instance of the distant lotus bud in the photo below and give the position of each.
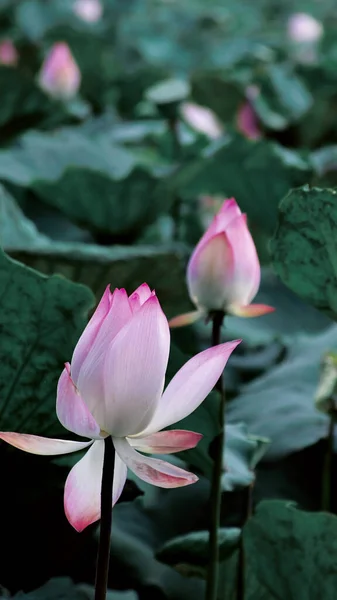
(88, 10)
(8, 53)
(202, 119)
(304, 28)
(60, 76)
(247, 122)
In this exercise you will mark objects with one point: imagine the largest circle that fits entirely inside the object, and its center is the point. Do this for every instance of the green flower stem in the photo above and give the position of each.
(240, 586)
(327, 468)
(219, 446)
(103, 557)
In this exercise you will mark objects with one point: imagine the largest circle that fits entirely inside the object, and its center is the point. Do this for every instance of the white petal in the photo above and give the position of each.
(87, 339)
(190, 386)
(134, 372)
(82, 493)
(71, 411)
(139, 296)
(166, 442)
(90, 381)
(210, 273)
(153, 470)
(34, 444)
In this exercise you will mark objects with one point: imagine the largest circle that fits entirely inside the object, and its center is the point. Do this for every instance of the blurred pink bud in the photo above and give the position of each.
(114, 386)
(304, 28)
(247, 122)
(8, 53)
(224, 270)
(202, 119)
(88, 10)
(60, 76)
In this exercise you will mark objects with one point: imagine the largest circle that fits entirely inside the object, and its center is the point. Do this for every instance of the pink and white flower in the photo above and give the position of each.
(60, 76)
(223, 273)
(114, 386)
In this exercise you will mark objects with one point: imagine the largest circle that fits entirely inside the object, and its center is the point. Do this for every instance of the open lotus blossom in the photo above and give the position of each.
(60, 75)
(8, 53)
(224, 273)
(88, 10)
(114, 386)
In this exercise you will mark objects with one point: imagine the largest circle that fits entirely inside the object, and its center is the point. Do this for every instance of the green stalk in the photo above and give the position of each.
(219, 446)
(327, 468)
(103, 557)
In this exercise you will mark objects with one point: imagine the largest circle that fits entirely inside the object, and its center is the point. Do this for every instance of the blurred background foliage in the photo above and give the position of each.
(115, 186)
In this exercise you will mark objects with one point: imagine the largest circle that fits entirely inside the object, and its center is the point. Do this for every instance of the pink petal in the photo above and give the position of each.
(134, 373)
(227, 213)
(82, 493)
(252, 310)
(166, 442)
(8, 53)
(209, 273)
(186, 319)
(91, 374)
(246, 275)
(247, 122)
(153, 470)
(34, 444)
(190, 386)
(139, 296)
(89, 335)
(71, 411)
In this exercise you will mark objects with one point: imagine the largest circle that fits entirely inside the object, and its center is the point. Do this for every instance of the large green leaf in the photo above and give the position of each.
(280, 404)
(291, 552)
(92, 182)
(102, 204)
(41, 319)
(193, 548)
(41, 157)
(257, 173)
(93, 265)
(304, 247)
(62, 588)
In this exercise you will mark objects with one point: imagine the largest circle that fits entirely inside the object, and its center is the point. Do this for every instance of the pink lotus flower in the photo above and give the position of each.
(60, 76)
(202, 119)
(114, 386)
(224, 271)
(88, 10)
(8, 53)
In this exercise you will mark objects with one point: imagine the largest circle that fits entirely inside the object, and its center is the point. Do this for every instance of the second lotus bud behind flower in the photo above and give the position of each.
(224, 273)
(60, 75)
